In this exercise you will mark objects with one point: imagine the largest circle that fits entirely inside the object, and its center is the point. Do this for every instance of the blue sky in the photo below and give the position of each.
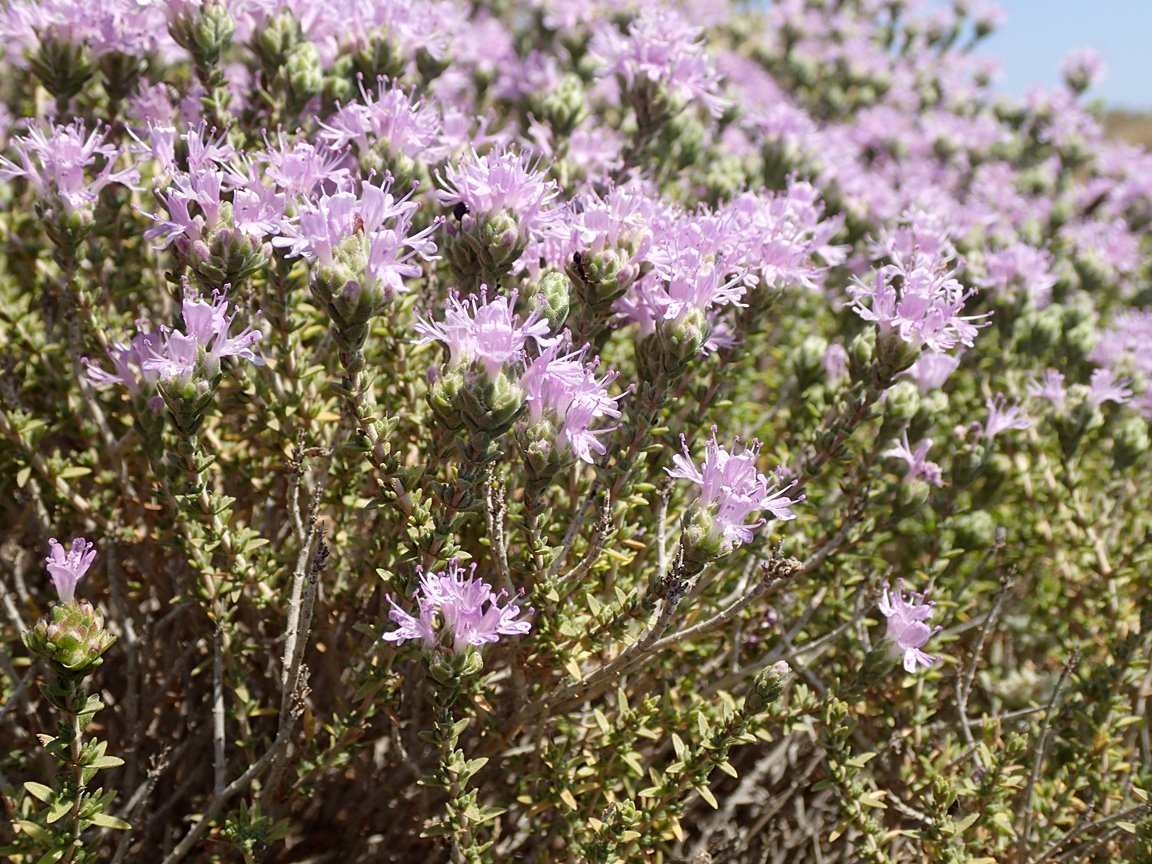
(1036, 35)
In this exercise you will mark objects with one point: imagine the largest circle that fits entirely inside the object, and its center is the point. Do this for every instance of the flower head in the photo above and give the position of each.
(456, 610)
(1002, 417)
(569, 388)
(730, 483)
(1106, 387)
(907, 632)
(207, 340)
(500, 181)
(662, 47)
(918, 302)
(55, 162)
(919, 467)
(1050, 387)
(489, 332)
(66, 568)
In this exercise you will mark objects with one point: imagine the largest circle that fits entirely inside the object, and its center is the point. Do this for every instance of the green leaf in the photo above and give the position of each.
(707, 795)
(36, 832)
(58, 810)
(106, 762)
(39, 790)
(107, 820)
(22, 476)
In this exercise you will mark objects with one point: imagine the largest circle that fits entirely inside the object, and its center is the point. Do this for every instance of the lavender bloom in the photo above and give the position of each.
(925, 308)
(661, 47)
(930, 371)
(1127, 341)
(129, 362)
(1021, 269)
(1084, 68)
(907, 632)
(835, 362)
(1050, 387)
(1106, 387)
(403, 125)
(569, 389)
(489, 333)
(1002, 417)
(730, 483)
(66, 568)
(206, 342)
(918, 466)
(456, 610)
(55, 163)
(497, 182)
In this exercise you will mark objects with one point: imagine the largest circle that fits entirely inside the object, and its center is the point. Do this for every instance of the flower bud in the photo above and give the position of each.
(62, 67)
(768, 688)
(72, 641)
(1129, 443)
(901, 401)
(305, 74)
(552, 296)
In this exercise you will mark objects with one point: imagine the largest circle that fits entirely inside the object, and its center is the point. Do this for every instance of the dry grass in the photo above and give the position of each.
(1131, 126)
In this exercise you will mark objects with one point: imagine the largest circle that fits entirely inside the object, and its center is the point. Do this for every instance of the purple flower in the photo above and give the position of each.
(930, 371)
(489, 332)
(661, 47)
(917, 301)
(455, 610)
(1084, 68)
(55, 163)
(500, 181)
(918, 466)
(1050, 387)
(907, 632)
(569, 389)
(129, 362)
(1020, 269)
(404, 125)
(1106, 387)
(730, 483)
(66, 568)
(835, 362)
(180, 355)
(1002, 417)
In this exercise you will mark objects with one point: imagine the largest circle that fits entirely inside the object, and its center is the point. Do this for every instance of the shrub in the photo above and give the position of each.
(583, 431)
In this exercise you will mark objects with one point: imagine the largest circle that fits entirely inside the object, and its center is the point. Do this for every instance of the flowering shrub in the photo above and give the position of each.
(443, 431)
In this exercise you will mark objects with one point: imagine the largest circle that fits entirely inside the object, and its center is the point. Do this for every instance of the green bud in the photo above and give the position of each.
(600, 278)
(483, 247)
(305, 75)
(901, 402)
(564, 106)
(975, 530)
(121, 73)
(808, 362)
(1037, 333)
(383, 56)
(72, 642)
(767, 689)
(861, 355)
(275, 39)
(552, 295)
(465, 399)
(878, 664)
(62, 67)
(537, 442)
(205, 36)
(1129, 443)
(700, 540)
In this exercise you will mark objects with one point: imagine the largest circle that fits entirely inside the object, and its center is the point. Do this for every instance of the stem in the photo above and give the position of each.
(78, 776)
